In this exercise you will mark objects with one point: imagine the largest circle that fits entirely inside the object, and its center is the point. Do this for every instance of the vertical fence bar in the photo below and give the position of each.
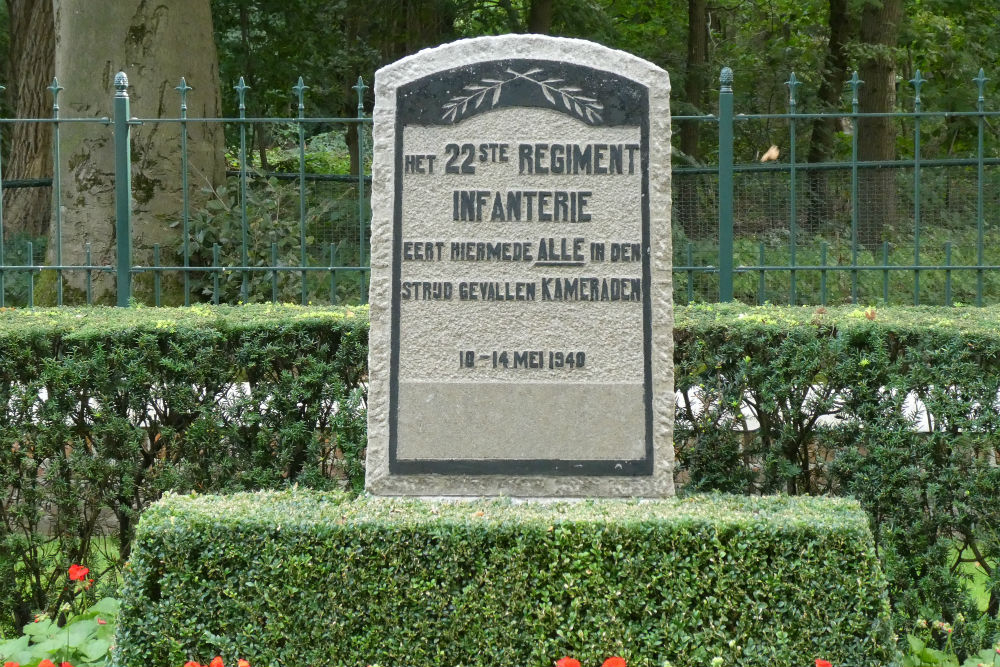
(885, 272)
(947, 273)
(274, 273)
(822, 273)
(361, 87)
(726, 185)
(333, 275)
(300, 89)
(855, 205)
(690, 273)
(792, 84)
(241, 91)
(761, 281)
(917, 82)
(123, 191)
(31, 274)
(54, 88)
(90, 276)
(215, 274)
(156, 274)
(980, 102)
(185, 198)
(3, 289)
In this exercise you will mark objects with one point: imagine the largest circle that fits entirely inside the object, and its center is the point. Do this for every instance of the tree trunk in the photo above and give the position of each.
(395, 29)
(540, 17)
(31, 67)
(695, 85)
(155, 44)
(880, 20)
(824, 130)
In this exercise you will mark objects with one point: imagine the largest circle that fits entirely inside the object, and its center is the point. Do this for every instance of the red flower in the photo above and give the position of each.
(216, 662)
(46, 663)
(76, 573)
(823, 663)
(567, 661)
(614, 661)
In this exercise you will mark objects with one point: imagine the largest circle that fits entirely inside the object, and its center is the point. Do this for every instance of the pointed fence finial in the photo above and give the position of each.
(793, 85)
(726, 79)
(121, 85)
(54, 88)
(300, 89)
(855, 83)
(241, 91)
(361, 88)
(981, 84)
(183, 90)
(918, 82)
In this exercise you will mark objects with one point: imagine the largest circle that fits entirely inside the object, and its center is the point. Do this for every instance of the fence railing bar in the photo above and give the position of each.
(361, 87)
(123, 190)
(241, 89)
(183, 88)
(300, 89)
(104, 120)
(726, 185)
(3, 289)
(872, 114)
(917, 82)
(855, 203)
(294, 176)
(792, 84)
(333, 274)
(980, 162)
(836, 166)
(249, 120)
(761, 280)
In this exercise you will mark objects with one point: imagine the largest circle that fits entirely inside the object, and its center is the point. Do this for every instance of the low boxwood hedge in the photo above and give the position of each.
(315, 578)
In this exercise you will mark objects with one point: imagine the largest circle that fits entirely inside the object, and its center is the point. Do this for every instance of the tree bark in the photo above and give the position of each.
(31, 64)
(395, 30)
(155, 44)
(540, 17)
(880, 20)
(824, 130)
(695, 85)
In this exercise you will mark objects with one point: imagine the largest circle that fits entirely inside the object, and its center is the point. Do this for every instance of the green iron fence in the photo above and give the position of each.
(816, 233)
(321, 270)
(787, 231)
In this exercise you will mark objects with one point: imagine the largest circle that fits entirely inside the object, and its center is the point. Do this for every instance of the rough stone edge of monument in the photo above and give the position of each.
(387, 79)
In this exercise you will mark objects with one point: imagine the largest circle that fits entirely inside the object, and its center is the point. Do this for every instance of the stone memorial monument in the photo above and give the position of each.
(521, 312)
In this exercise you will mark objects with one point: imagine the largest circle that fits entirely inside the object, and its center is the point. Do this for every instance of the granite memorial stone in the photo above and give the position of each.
(521, 313)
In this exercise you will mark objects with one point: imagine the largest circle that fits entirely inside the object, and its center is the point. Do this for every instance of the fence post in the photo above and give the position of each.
(361, 87)
(726, 185)
(123, 190)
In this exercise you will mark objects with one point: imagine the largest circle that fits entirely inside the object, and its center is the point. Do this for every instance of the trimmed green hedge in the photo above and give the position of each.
(102, 409)
(897, 407)
(307, 578)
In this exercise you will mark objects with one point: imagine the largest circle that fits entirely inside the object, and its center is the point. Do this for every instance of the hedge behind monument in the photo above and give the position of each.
(310, 578)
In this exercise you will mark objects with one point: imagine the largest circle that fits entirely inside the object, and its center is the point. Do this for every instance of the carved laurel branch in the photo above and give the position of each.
(572, 100)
